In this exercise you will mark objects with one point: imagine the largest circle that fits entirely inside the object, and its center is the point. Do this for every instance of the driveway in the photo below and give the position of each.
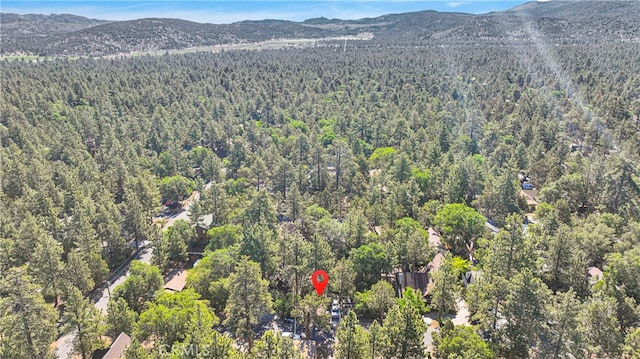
(431, 319)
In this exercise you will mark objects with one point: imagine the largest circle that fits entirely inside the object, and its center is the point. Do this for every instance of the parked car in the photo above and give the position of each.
(335, 314)
(527, 185)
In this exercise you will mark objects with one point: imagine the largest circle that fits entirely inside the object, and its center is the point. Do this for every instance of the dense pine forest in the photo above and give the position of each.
(343, 158)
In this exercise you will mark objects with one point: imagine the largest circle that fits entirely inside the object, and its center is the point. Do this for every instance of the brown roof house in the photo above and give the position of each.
(531, 196)
(434, 239)
(177, 281)
(416, 280)
(117, 348)
(433, 267)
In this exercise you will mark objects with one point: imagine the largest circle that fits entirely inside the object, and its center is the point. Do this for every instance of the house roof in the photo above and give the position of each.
(435, 264)
(595, 272)
(177, 282)
(531, 195)
(415, 280)
(377, 230)
(205, 221)
(118, 347)
(434, 238)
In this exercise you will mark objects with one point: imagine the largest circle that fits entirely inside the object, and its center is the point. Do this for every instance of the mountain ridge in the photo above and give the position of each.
(43, 25)
(559, 22)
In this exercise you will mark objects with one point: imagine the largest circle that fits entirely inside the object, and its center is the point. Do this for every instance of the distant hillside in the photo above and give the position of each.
(44, 25)
(154, 34)
(554, 21)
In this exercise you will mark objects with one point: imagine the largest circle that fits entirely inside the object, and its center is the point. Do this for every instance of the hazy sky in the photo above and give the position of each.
(230, 11)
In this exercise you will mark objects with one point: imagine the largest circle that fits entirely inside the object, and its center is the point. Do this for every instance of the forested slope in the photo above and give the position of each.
(322, 158)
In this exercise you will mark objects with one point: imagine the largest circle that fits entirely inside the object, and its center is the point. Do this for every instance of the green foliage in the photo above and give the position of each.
(47, 266)
(175, 188)
(378, 341)
(356, 149)
(352, 340)
(224, 236)
(172, 245)
(27, 324)
(601, 325)
(210, 277)
(411, 244)
(446, 287)
(120, 318)
(272, 345)
(316, 213)
(295, 261)
(381, 156)
(631, 348)
(382, 298)
(461, 226)
(405, 331)
(413, 297)
(459, 341)
(173, 316)
(82, 317)
(369, 262)
(500, 197)
(136, 351)
(524, 311)
(78, 273)
(377, 300)
(140, 286)
(311, 311)
(342, 279)
(249, 299)
(567, 335)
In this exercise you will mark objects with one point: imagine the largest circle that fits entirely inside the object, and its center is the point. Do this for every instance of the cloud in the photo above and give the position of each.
(455, 4)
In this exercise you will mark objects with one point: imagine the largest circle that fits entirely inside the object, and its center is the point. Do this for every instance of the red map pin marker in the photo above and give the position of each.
(320, 279)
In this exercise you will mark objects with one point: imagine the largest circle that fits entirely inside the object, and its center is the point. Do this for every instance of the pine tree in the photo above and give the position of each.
(524, 311)
(273, 345)
(352, 340)
(120, 318)
(460, 342)
(377, 341)
(83, 319)
(342, 279)
(77, 272)
(47, 266)
(601, 327)
(294, 259)
(310, 312)
(249, 299)
(405, 330)
(446, 288)
(565, 334)
(27, 323)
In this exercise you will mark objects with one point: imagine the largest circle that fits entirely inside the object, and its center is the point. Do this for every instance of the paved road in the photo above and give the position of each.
(184, 213)
(65, 343)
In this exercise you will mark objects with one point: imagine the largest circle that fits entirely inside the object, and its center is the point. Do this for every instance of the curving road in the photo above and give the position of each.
(64, 344)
